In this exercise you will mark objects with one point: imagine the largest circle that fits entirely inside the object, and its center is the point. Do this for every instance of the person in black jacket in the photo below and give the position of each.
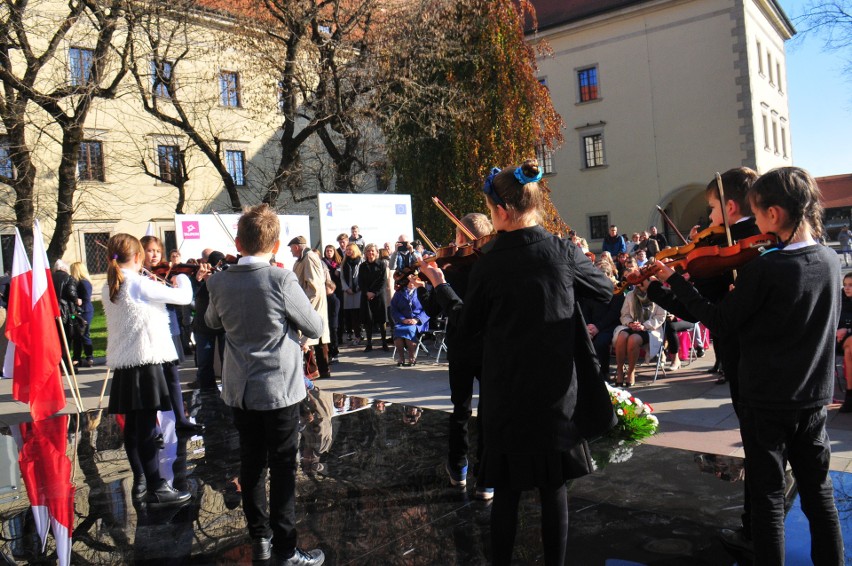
(465, 363)
(783, 312)
(601, 319)
(736, 184)
(209, 342)
(372, 278)
(521, 297)
(65, 288)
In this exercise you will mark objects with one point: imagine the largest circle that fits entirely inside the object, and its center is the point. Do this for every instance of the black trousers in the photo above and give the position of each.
(770, 438)
(269, 439)
(462, 376)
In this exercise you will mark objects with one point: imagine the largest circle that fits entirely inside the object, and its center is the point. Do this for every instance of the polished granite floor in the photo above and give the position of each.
(370, 490)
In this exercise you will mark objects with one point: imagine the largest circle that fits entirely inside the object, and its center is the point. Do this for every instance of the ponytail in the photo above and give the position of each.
(794, 190)
(120, 249)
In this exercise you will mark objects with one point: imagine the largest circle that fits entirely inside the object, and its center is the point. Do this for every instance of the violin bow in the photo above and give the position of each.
(443, 208)
(427, 240)
(224, 227)
(723, 203)
(671, 224)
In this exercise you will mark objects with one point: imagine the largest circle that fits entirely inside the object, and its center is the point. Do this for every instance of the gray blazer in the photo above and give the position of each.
(262, 309)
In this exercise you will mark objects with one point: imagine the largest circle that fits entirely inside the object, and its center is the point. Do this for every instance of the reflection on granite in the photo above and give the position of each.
(371, 490)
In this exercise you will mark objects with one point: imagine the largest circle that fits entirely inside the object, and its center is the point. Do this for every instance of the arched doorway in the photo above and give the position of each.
(686, 206)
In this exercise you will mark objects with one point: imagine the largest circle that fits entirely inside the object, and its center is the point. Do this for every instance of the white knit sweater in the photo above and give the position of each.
(138, 323)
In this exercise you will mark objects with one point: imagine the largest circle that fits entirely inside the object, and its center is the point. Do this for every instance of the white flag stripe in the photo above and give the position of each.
(40, 266)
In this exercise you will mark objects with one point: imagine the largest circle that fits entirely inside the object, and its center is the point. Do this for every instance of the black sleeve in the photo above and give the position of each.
(669, 301)
(589, 281)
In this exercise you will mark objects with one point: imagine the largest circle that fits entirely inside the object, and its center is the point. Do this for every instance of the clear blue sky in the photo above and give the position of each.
(820, 103)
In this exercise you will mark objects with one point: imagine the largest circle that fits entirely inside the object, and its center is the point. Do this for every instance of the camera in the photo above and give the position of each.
(402, 246)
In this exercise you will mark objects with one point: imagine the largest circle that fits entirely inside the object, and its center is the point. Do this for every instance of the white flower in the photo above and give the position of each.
(620, 413)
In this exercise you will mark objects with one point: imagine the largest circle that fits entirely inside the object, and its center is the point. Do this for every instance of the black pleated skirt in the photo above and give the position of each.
(529, 471)
(139, 388)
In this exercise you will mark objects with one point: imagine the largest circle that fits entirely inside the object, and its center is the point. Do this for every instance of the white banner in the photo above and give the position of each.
(380, 218)
(196, 232)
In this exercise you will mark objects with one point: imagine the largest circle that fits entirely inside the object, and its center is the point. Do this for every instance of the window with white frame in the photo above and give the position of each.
(593, 150)
(235, 162)
(783, 140)
(544, 155)
(759, 58)
(769, 67)
(229, 89)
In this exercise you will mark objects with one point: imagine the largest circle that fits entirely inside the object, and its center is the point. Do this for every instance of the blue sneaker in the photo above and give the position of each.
(484, 493)
(457, 478)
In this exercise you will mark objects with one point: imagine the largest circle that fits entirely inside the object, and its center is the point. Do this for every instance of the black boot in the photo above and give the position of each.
(846, 407)
(165, 495)
(385, 346)
(140, 488)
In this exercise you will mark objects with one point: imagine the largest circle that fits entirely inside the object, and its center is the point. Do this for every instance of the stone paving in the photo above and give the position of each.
(694, 412)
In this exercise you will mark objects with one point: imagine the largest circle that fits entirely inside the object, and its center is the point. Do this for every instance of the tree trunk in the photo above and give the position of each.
(71, 139)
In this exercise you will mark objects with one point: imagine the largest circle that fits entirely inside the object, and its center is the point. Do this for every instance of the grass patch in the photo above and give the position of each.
(98, 331)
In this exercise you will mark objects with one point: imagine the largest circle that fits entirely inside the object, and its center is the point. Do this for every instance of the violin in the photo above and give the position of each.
(447, 257)
(165, 269)
(704, 238)
(706, 261)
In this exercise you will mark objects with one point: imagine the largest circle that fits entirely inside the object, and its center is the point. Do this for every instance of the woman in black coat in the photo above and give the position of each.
(372, 278)
(522, 297)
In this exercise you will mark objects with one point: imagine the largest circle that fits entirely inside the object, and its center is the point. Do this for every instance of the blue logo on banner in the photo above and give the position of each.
(400, 209)
(328, 211)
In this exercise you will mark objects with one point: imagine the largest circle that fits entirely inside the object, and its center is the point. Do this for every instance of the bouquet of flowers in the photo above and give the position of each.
(635, 420)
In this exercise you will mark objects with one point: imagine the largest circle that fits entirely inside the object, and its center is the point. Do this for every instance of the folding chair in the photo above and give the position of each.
(661, 354)
(440, 344)
(696, 336)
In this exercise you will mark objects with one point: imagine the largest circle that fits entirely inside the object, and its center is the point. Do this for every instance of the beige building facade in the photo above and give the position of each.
(656, 97)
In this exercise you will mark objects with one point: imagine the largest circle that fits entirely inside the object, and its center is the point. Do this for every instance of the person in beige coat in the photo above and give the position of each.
(312, 276)
(641, 325)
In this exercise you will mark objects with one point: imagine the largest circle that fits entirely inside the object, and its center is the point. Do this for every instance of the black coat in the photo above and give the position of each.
(372, 278)
(65, 287)
(521, 296)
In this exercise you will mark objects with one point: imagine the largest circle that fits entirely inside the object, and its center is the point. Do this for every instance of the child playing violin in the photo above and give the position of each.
(783, 313)
(736, 184)
(153, 255)
(137, 347)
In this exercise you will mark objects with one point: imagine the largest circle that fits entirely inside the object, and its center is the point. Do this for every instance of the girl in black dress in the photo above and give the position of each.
(521, 297)
(138, 344)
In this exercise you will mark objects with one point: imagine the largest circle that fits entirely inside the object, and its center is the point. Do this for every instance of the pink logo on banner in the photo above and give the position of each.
(190, 230)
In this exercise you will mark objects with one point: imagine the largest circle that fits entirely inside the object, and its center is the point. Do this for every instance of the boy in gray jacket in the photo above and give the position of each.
(263, 309)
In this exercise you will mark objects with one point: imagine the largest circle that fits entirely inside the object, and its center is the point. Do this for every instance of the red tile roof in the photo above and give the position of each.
(836, 190)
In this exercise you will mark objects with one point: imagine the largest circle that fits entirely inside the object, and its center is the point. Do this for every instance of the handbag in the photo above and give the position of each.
(594, 414)
(311, 367)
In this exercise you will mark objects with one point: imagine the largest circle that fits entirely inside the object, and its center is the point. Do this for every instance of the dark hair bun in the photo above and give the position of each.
(530, 167)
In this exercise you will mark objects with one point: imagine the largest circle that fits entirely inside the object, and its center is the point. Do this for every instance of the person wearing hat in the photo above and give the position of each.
(311, 273)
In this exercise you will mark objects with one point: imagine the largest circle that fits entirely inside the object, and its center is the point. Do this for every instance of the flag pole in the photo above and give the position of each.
(103, 388)
(70, 385)
(68, 349)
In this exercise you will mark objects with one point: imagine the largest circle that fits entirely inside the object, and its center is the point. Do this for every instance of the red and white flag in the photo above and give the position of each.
(46, 471)
(47, 396)
(18, 316)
